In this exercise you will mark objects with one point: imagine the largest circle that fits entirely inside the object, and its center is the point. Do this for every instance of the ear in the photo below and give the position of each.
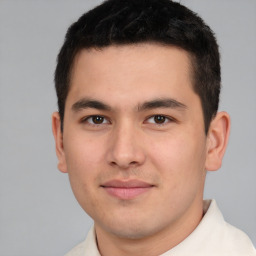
(217, 140)
(58, 136)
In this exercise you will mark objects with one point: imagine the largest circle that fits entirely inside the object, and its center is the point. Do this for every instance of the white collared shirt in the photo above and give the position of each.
(212, 237)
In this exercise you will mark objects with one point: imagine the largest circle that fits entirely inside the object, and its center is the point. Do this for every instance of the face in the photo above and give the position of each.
(133, 142)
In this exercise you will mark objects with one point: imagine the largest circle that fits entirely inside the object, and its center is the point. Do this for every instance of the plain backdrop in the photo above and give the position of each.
(39, 215)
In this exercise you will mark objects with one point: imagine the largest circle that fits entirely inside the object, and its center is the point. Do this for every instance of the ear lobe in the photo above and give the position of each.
(58, 136)
(217, 137)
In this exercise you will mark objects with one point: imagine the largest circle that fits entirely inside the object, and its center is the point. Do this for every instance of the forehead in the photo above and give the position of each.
(147, 69)
(131, 54)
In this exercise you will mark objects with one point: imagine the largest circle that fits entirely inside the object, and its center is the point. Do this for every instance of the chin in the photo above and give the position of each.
(133, 233)
(132, 228)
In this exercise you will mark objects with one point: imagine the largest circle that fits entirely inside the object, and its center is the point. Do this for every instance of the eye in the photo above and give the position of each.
(159, 119)
(96, 120)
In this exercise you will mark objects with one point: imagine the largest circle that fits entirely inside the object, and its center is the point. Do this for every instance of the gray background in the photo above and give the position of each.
(38, 213)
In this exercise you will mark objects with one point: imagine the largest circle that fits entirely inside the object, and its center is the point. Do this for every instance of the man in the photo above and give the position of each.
(138, 85)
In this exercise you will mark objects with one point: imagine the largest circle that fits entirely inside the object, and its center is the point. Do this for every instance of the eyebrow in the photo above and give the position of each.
(148, 105)
(162, 103)
(90, 103)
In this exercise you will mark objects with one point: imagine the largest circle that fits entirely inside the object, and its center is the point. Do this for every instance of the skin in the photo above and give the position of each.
(135, 138)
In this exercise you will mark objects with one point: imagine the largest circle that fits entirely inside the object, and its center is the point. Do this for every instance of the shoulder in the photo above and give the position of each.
(88, 247)
(227, 238)
(77, 250)
(214, 236)
(235, 240)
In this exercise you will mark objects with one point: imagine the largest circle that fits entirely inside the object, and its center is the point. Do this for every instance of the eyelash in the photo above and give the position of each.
(167, 119)
(86, 120)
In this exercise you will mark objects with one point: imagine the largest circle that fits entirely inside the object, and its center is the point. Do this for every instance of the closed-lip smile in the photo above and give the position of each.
(126, 189)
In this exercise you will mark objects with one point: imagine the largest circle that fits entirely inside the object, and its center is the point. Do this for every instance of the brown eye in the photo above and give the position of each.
(97, 119)
(159, 119)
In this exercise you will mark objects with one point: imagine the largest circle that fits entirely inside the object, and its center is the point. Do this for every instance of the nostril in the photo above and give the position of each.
(124, 165)
(113, 163)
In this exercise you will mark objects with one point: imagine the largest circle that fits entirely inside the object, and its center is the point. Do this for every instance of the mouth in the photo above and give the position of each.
(126, 190)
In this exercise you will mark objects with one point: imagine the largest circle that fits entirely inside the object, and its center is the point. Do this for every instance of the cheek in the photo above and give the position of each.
(179, 163)
(83, 158)
(82, 154)
(179, 159)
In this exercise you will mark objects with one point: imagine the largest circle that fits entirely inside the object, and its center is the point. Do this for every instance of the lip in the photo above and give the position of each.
(126, 190)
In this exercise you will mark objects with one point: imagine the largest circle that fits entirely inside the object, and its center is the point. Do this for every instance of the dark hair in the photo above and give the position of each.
(122, 22)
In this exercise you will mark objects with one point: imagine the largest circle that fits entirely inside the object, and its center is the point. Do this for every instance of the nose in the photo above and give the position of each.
(126, 147)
